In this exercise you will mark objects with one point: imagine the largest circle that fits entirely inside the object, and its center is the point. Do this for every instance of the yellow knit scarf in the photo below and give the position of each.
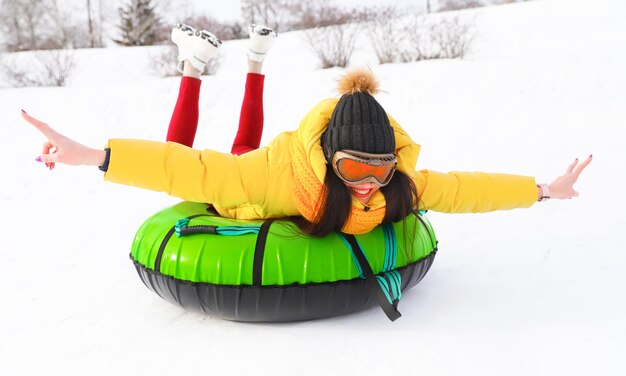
(308, 193)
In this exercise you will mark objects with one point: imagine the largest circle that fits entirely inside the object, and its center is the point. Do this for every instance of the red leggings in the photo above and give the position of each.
(184, 122)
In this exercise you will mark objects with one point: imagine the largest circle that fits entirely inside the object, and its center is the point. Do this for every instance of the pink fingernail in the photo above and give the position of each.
(38, 159)
(590, 155)
(23, 111)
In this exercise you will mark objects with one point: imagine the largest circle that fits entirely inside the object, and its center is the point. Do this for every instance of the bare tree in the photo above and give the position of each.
(37, 25)
(92, 42)
(65, 34)
(20, 21)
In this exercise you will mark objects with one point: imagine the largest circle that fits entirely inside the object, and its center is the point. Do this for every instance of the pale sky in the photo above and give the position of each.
(228, 10)
(219, 9)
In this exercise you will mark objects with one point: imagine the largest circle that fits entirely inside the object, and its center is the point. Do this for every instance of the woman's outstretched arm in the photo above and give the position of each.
(475, 192)
(193, 175)
(61, 149)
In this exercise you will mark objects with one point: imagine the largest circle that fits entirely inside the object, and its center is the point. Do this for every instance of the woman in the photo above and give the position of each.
(348, 167)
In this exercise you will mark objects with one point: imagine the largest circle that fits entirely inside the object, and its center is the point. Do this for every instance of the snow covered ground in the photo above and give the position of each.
(525, 292)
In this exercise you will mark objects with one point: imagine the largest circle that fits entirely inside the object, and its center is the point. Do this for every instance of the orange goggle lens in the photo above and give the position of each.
(354, 171)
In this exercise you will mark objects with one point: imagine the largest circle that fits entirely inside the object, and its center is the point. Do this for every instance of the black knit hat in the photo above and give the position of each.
(358, 122)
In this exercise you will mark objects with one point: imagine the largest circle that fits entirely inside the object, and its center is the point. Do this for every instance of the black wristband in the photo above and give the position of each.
(107, 158)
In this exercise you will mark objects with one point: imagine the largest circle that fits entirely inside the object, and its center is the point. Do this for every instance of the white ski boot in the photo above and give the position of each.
(198, 47)
(261, 39)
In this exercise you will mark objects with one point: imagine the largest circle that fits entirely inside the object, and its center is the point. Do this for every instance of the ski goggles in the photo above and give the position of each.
(356, 167)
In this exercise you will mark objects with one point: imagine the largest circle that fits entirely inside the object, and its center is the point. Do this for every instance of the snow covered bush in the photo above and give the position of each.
(333, 45)
(448, 5)
(449, 38)
(224, 30)
(387, 35)
(390, 41)
(286, 15)
(43, 68)
(417, 31)
(421, 37)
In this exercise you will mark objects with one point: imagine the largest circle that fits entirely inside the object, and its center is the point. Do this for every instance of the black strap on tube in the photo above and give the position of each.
(391, 310)
(259, 253)
(157, 261)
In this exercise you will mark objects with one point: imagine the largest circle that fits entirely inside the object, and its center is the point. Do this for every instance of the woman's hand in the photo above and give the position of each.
(61, 149)
(563, 186)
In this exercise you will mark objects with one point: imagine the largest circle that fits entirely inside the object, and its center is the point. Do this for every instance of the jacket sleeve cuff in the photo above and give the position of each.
(107, 159)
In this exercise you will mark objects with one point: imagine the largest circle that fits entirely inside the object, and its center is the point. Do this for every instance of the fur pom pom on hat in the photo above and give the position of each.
(358, 80)
(358, 122)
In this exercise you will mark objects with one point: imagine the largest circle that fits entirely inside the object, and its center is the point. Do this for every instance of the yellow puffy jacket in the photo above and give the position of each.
(285, 177)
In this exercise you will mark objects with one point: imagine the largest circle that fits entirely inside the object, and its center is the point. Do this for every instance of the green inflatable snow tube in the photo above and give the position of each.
(269, 271)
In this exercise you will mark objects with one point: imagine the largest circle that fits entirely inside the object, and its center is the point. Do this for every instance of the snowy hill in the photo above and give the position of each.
(525, 292)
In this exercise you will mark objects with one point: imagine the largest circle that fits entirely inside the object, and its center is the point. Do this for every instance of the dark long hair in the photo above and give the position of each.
(335, 202)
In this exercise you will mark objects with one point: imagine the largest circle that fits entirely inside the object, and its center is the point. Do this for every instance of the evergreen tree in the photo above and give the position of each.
(139, 24)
